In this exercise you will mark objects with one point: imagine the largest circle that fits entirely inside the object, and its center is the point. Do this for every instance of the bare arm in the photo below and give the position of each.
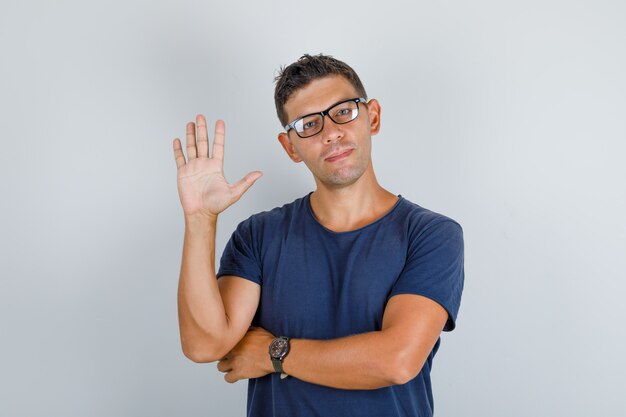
(208, 327)
(393, 355)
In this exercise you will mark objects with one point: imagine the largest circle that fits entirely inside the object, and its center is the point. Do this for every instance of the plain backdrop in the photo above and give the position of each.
(508, 116)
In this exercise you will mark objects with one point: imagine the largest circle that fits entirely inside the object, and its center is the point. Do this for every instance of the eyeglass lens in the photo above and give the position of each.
(340, 114)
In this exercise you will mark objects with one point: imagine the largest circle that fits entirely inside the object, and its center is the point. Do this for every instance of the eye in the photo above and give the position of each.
(309, 125)
(343, 112)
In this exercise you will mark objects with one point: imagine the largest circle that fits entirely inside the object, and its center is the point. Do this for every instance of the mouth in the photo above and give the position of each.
(337, 156)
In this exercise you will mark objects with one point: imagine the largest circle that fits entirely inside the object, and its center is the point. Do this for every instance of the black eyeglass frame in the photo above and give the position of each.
(325, 113)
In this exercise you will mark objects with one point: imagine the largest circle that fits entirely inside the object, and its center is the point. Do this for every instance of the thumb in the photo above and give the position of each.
(246, 182)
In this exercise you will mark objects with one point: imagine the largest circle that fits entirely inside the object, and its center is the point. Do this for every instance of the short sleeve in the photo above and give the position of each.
(239, 257)
(434, 267)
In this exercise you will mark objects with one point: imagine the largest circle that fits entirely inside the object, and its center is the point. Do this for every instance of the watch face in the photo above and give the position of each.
(279, 348)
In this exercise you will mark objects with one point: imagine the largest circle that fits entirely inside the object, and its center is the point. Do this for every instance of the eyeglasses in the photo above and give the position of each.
(340, 113)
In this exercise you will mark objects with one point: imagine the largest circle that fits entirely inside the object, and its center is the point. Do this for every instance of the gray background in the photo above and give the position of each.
(507, 116)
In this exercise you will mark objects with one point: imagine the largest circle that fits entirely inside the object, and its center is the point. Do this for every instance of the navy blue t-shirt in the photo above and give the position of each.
(320, 284)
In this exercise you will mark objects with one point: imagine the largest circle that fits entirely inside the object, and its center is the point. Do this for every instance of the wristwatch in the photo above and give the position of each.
(279, 348)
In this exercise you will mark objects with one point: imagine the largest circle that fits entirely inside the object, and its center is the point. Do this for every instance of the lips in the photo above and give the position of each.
(339, 155)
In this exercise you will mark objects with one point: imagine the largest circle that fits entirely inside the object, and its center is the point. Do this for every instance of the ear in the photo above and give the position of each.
(284, 140)
(373, 110)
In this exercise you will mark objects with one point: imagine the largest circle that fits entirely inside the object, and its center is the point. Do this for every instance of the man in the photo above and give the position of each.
(331, 305)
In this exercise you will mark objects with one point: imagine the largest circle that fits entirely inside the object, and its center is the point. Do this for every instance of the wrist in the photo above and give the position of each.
(200, 219)
(288, 360)
(266, 363)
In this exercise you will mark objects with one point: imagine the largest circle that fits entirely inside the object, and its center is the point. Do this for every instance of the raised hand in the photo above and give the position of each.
(202, 187)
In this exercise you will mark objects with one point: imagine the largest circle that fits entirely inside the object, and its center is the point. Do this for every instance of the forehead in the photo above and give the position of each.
(318, 95)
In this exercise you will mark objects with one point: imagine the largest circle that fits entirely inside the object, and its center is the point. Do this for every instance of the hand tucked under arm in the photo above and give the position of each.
(394, 355)
(249, 358)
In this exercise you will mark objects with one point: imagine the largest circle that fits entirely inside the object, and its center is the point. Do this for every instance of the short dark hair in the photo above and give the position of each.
(306, 69)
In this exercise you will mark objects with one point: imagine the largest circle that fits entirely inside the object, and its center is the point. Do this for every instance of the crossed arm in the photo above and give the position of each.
(394, 355)
(215, 318)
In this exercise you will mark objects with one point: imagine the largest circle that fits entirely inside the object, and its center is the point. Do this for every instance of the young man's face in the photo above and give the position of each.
(340, 153)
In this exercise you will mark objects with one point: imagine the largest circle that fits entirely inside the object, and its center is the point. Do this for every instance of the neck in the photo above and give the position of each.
(352, 206)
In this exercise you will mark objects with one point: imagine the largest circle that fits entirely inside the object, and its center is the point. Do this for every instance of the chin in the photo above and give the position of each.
(342, 178)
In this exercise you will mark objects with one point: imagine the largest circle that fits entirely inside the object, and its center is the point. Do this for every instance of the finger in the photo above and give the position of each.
(179, 156)
(246, 182)
(203, 137)
(224, 366)
(217, 151)
(191, 141)
(230, 378)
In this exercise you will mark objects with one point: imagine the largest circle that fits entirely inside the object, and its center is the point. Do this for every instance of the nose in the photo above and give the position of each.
(331, 131)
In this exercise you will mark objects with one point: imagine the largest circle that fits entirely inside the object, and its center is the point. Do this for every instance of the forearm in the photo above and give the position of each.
(202, 318)
(392, 356)
(363, 361)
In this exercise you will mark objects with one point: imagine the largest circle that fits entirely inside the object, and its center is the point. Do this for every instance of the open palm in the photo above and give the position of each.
(202, 187)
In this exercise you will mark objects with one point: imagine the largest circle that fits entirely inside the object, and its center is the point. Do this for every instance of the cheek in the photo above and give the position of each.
(307, 152)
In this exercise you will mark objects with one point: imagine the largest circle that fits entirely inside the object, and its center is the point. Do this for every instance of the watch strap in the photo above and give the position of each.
(278, 365)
